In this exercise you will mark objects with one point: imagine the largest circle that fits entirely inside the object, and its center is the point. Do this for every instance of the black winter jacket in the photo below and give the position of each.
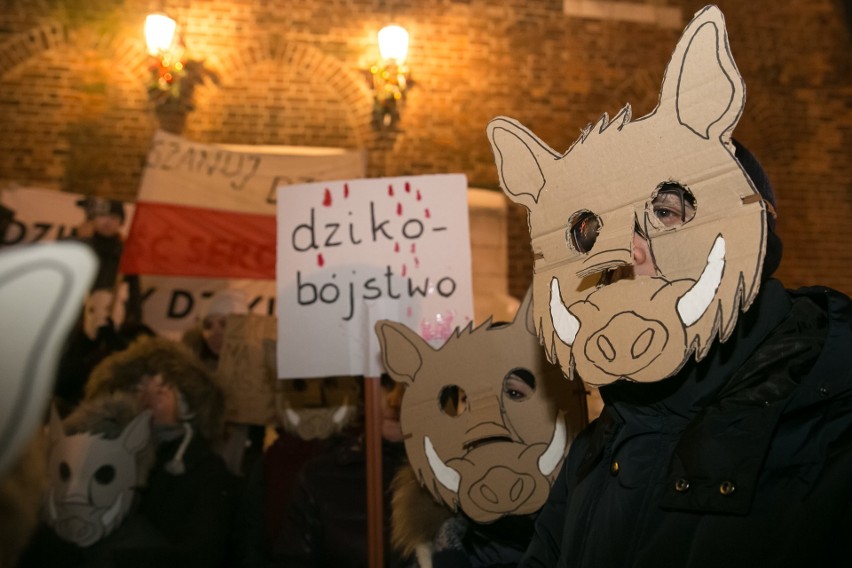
(743, 459)
(325, 524)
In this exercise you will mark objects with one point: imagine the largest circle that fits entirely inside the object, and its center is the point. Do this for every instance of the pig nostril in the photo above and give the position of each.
(489, 495)
(516, 490)
(642, 343)
(606, 348)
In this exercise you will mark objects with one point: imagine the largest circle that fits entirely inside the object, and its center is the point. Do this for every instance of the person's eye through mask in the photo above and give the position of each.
(672, 206)
(519, 385)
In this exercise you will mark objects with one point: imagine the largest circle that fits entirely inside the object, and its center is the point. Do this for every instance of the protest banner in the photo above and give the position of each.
(205, 221)
(46, 215)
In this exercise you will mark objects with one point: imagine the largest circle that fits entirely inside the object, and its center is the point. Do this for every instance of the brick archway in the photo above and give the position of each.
(128, 56)
(132, 59)
(349, 85)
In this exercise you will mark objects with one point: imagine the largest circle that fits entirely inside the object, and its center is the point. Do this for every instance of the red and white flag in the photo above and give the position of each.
(205, 221)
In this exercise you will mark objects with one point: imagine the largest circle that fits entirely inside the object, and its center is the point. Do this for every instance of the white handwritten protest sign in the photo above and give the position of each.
(352, 252)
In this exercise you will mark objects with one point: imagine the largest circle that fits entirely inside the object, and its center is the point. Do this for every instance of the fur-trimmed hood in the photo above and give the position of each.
(415, 516)
(150, 356)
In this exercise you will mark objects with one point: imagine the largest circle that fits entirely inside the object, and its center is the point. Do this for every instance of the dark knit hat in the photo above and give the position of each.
(95, 206)
(774, 246)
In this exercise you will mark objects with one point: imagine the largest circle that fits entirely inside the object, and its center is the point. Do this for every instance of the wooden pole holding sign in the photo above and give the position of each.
(373, 433)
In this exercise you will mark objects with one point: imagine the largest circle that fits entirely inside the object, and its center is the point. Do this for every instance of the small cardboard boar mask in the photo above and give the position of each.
(316, 409)
(483, 417)
(92, 479)
(669, 178)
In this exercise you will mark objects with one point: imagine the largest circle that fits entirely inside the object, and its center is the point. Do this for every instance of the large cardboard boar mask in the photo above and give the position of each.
(483, 417)
(592, 313)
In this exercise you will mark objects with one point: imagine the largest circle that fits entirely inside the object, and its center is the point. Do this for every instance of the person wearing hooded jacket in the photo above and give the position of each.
(769, 413)
(325, 522)
(243, 443)
(190, 496)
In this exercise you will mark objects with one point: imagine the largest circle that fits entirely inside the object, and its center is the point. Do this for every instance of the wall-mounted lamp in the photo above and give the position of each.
(390, 76)
(168, 65)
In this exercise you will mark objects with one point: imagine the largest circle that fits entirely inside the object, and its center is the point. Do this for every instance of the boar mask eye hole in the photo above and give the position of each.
(453, 400)
(519, 385)
(672, 205)
(583, 229)
(64, 471)
(105, 474)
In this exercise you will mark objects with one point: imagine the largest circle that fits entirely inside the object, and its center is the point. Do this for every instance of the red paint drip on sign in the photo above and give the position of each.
(327, 199)
(320, 260)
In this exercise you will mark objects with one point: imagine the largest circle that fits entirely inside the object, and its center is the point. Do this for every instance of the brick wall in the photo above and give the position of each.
(76, 116)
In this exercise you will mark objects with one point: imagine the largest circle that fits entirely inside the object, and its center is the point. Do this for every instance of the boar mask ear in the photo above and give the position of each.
(702, 85)
(402, 350)
(41, 292)
(519, 155)
(525, 313)
(137, 433)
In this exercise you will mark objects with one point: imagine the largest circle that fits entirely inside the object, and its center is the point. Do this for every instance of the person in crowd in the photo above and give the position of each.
(243, 443)
(726, 435)
(206, 338)
(100, 457)
(325, 523)
(100, 331)
(102, 231)
(112, 312)
(190, 495)
(310, 414)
